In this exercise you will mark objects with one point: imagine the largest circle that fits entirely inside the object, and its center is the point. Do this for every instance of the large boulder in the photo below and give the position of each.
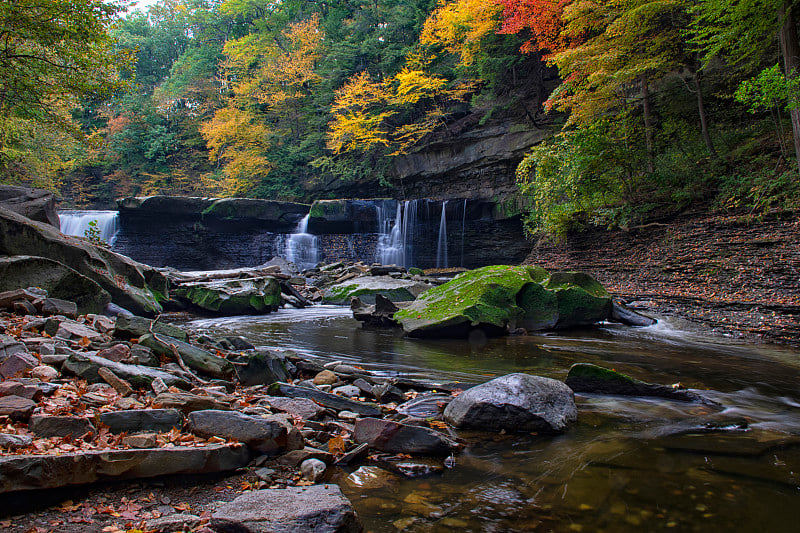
(318, 508)
(515, 402)
(59, 280)
(394, 437)
(132, 285)
(36, 204)
(366, 287)
(233, 296)
(194, 357)
(498, 298)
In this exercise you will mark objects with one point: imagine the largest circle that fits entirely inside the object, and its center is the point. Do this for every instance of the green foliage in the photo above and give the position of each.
(769, 89)
(92, 234)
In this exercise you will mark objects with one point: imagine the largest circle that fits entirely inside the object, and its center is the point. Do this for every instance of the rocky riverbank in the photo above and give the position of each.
(736, 275)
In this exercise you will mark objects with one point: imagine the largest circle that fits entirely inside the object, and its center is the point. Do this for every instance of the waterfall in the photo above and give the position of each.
(76, 223)
(463, 232)
(441, 246)
(395, 237)
(301, 248)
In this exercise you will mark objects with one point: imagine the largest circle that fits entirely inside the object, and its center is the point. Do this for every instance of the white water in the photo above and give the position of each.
(76, 223)
(396, 236)
(441, 246)
(301, 247)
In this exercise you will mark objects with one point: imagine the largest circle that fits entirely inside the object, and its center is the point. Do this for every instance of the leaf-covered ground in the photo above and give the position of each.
(738, 275)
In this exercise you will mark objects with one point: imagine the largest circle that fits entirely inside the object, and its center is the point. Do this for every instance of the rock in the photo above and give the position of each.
(414, 468)
(173, 523)
(60, 426)
(386, 393)
(269, 435)
(348, 416)
(128, 403)
(187, 402)
(56, 306)
(128, 326)
(318, 508)
(142, 440)
(44, 373)
(326, 377)
(142, 355)
(16, 364)
(347, 390)
(12, 442)
(500, 298)
(117, 353)
(142, 420)
(429, 405)
(371, 478)
(366, 287)
(132, 285)
(68, 329)
(296, 457)
(515, 402)
(624, 315)
(379, 315)
(393, 437)
(15, 388)
(87, 366)
(239, 342)
(194, 357)
(24, 472)
(10, 346)
(233, 296)
(24, 307)
(122, 387)
(356, 454)
(586, 377)
(313, 469)
(299, 407)
(263, 367)
(35, 204)
(16, 407)
(325, 399)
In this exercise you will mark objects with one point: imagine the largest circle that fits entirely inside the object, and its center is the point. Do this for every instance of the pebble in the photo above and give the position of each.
(326, 377)
(313, 469)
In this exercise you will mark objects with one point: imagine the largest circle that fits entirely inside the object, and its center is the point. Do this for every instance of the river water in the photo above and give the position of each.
(630, 464)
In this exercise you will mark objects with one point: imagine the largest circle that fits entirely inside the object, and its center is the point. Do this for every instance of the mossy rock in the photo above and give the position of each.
(484, 298)
(590, 378)
(234, 296)
(498, 298)
(367, 287)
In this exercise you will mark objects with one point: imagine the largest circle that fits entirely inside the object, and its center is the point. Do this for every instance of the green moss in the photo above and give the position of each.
(539, 306)
(560, 280)
(414, 271)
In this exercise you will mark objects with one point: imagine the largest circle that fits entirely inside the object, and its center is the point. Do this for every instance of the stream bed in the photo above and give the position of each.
(629, 464)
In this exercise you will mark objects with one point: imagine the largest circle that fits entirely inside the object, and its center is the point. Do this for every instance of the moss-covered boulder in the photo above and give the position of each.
(366, 287)
(500, 297)
(233, 296)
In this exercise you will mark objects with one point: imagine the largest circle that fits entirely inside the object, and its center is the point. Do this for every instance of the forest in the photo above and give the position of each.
(655, 106)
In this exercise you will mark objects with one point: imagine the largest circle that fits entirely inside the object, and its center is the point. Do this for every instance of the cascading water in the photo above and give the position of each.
(76, 223)
(441, 246)
(301, 248)
(463, 232)
(395, 238)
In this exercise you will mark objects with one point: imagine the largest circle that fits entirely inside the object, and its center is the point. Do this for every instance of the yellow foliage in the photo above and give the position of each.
(360, 111)
(415, 85)
(461, 25)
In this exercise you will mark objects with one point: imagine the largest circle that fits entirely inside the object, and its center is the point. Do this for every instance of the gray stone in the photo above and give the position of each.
(87, 365)
(16, 364)
(136, 420)
(296, 457)
(73, 330)
(188, 402)
(515, 402)
(57, 306)
(313, 469)
(366, 287)
(393, 437)
(194, 357)
(325, 399)
(23, 390)
(141, 440)
(347, 390)
(386, 392)
(117, 353)
(269, 435)
(12, 442)
(173, 522)
(624, 315)
(263, 367)
(318, 508)
(60, 426)
(10, 346)
(233, 296)
(16, 407)
(428, 405)
(31, 472)
(44, 373)
(36, 204)
(300, 407)
(141, 355)
(127, 326)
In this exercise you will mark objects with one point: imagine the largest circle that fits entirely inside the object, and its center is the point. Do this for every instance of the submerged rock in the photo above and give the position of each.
(496, 299)
(516, 402)
(318, 508)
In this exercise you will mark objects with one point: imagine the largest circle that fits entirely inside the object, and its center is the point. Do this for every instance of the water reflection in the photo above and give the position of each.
(630, 464)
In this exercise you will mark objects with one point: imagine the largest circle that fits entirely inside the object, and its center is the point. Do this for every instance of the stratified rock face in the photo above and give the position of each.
(60, 281)
(516, 402)
(367, 287)
(36, 204)
(318, 508)
(233, 296)
(498, 298)
(132, 285)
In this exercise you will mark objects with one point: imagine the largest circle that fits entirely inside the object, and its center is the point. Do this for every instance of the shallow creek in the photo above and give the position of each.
(630, 464)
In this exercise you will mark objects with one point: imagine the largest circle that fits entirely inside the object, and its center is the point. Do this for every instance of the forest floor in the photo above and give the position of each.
(736, 274)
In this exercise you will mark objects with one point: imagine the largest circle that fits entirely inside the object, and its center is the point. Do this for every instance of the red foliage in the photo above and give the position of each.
(543, 18)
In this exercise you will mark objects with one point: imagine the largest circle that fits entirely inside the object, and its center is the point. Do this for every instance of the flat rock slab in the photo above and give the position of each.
(325, 399)
(317, 509)
(301, 407)
(393, 437)
(269, 435)
(86, 366)
(135, 420)
(194, 357)
(188, 402)
(515, 402)
(16, 407)
(60, 426)
(31, 472)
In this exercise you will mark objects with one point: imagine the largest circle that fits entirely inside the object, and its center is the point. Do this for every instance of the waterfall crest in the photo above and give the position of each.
(301, 247)
(76, 223)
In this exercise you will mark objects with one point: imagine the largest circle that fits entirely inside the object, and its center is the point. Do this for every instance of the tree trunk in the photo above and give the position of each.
(790, 48)
(701, 109)
(648, 126)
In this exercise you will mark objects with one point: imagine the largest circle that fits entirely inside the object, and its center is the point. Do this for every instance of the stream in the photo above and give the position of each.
(629, 464)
